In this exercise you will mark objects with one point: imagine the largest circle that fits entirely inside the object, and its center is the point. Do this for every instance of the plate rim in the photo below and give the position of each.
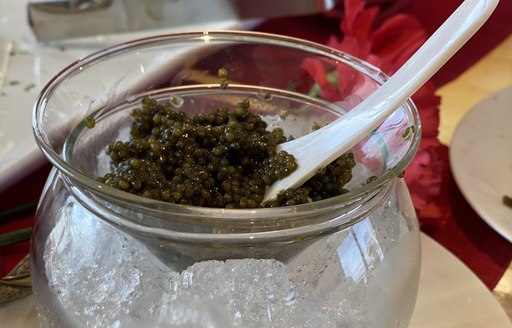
(505, 232)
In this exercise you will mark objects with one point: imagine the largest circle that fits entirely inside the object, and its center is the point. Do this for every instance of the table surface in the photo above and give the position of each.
(481, 68)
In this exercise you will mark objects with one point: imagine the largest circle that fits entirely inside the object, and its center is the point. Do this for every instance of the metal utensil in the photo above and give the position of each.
(17, 283)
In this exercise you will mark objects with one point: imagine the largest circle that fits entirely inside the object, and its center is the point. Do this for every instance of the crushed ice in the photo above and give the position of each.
(105, 278)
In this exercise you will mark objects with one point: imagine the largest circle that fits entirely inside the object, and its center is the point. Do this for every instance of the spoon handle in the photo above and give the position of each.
(341, 135)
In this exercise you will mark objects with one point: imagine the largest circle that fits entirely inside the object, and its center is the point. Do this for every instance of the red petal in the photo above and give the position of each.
(315, 68)
(359, 48)
(392, 27)
(384, 65)
(427, 103)
(398, 38)
(404, 51)
(358, 21)
(348, 81)
(352, 10)
(426, 96)
(430, 122)
(333, 42)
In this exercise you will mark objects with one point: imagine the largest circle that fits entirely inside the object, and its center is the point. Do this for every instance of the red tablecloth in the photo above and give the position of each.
(465, 234)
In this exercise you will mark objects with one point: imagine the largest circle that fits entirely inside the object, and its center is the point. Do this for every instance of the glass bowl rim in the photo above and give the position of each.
(206, 36)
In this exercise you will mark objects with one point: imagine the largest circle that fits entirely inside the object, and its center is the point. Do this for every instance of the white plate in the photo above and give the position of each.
(30, 66)
(450, 296)
(481, 159)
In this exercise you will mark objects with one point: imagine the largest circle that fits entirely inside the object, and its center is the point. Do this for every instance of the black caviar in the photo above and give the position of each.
(221, 159)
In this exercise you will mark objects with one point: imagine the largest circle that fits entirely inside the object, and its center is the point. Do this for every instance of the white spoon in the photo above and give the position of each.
(319, 148)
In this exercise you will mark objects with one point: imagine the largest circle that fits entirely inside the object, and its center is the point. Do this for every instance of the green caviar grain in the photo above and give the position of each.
(371, 179)
(223, 77)
(226, 158)
(90, 122)
(223, 74)
(408, 132)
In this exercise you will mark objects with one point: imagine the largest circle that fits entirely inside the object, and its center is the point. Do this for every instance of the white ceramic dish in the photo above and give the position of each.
(26, 66)
(481, 159)
(450, 296)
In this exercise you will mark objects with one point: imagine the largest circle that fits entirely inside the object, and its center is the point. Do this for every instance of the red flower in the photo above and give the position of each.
(388, 47)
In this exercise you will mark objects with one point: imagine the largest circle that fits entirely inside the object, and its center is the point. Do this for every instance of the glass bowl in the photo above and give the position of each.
(102, 257)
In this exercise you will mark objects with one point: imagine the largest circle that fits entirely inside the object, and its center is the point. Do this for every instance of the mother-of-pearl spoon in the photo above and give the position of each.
(338, 137)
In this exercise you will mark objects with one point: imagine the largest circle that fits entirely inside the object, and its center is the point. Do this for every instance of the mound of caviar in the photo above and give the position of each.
(220, 159)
